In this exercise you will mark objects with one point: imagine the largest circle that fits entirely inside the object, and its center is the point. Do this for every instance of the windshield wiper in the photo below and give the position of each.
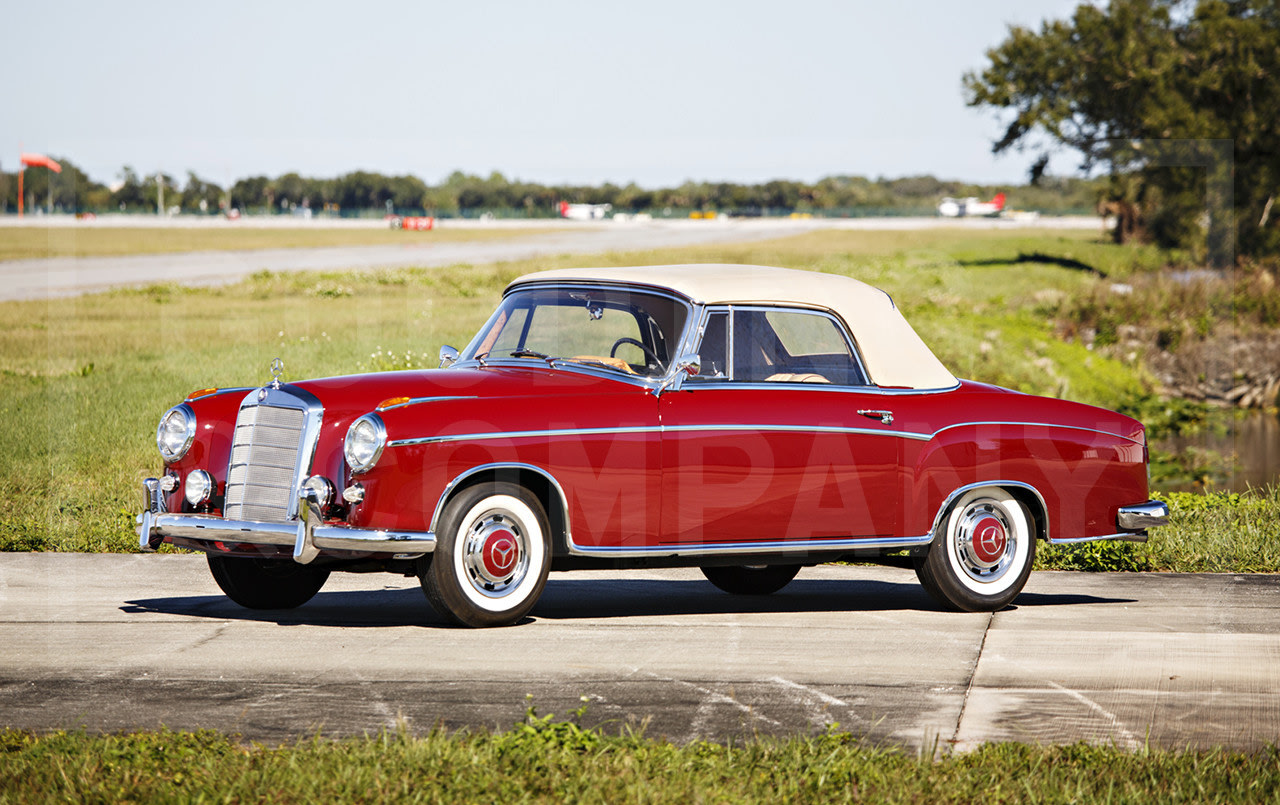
(533, 353)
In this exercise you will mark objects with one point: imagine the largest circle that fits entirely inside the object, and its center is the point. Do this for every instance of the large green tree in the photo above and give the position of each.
(1178, 101)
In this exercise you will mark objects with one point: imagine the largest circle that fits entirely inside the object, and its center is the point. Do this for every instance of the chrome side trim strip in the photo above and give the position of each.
(521, 434)
(220, 392)
(417, 400)
(902, 434)
(1037, 425)
(747, 548)
(1127, 536)
(550, 432)
(799, 429)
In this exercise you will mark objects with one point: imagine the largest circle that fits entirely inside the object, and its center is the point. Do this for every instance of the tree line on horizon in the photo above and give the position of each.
(363, 193)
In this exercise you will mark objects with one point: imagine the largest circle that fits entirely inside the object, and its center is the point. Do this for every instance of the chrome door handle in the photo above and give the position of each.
(885, 417)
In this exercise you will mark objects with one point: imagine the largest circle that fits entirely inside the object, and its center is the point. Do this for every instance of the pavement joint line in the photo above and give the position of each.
(973, 675)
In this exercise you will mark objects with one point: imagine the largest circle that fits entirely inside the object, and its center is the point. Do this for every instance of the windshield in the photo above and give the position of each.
(630, 332)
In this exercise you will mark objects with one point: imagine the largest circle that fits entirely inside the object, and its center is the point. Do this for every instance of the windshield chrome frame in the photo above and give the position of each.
(693, 315)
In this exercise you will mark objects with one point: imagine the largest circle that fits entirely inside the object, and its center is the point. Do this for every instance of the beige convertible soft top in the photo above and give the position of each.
(894, 354)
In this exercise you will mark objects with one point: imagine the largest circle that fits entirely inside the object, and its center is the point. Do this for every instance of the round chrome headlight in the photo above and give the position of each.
(365, 439)
(176, 432)
(199, 487)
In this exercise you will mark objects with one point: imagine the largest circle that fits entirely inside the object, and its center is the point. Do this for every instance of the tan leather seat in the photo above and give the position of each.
(796, 377)
(616, 363)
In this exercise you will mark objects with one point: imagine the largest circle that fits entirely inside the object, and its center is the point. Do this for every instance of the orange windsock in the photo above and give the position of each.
(41, 161)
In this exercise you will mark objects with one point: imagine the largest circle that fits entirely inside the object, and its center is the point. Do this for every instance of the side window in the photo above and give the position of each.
(714, 349)
(773, 345)
(810, 348)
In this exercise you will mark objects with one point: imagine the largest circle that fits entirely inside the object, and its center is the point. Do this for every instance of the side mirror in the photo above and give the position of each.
(689, 364)
(448, 356)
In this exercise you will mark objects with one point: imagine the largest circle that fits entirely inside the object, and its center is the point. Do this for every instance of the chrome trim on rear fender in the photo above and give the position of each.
(1122, 537)
(946, 504)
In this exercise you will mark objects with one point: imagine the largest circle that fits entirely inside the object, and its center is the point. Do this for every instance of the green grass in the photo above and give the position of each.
(559, 762)
(1218, 532)
(21, 243)
(84, 380)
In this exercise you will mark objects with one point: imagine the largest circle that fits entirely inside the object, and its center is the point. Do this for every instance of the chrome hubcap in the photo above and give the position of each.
(985, 543)
(495, 554)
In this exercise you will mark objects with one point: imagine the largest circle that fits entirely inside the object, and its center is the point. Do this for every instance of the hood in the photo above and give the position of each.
(362, 393)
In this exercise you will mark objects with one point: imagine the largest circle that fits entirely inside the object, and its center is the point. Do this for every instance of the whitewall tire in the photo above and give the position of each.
(981, 556)
(493, 552)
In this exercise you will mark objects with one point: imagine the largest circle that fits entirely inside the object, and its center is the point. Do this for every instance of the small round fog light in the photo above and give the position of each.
(323, 489)
(199, 487)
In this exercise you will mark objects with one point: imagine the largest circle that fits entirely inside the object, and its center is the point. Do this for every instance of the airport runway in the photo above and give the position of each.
(68, 276)
(114, 642)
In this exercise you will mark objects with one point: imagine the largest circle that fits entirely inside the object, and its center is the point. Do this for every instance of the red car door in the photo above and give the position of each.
(767, 442)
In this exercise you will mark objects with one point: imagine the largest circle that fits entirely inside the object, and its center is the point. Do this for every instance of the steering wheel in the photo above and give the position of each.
(648, 352)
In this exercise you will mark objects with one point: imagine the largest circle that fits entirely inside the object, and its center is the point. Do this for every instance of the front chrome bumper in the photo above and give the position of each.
(309, 536)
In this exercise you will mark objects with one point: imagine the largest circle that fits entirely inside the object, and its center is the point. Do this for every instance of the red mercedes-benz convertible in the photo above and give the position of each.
(741, 419)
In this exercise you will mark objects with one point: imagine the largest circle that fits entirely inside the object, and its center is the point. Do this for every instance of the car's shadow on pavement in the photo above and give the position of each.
(587, 599)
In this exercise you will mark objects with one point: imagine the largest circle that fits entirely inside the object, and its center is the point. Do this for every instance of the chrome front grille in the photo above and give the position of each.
(268, 456)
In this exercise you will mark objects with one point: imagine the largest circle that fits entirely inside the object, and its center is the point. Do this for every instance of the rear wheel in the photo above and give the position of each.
(266, 583)
(751, 579)
(981, 556)
(493, 552)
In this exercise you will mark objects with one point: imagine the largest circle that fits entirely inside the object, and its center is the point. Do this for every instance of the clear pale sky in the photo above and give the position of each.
(651, 91)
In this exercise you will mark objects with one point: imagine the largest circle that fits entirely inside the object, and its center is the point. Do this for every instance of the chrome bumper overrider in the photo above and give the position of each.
(308, 536)
(1133, 522)
(1142, 516)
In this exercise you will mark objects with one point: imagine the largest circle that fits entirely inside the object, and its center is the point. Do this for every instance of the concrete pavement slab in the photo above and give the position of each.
(128, 641)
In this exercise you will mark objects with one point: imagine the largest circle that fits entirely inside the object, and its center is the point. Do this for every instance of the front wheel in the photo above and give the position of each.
(492, 556)
(751, 579)
(981, 556)
(266, 583)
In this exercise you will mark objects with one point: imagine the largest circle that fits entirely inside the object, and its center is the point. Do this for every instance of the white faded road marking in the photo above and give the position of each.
(808, 691)
(710, 698)
(1130, 740)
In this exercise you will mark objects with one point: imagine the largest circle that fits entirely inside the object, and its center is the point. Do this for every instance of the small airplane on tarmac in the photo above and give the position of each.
(962, 207)
(584, 212)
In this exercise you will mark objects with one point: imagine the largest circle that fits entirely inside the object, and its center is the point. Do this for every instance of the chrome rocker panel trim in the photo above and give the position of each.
(844, 545)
